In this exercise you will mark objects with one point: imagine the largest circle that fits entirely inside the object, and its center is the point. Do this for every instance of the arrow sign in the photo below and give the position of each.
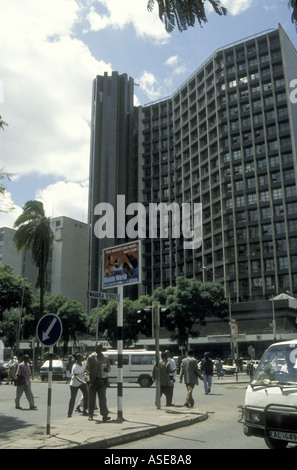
(49, 329)
(46, 334)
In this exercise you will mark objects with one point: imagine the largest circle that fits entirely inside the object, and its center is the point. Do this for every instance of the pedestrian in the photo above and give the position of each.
(96, 374)
(23, 383)
(219, 368)
(207, 372)
(250, 369)
(78, 382)
(69, 365)
(166, 385)
(11, 369)
(172, 374)
(190, 372)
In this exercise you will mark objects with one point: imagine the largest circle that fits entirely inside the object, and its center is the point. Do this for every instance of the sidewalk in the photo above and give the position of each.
(79, 433)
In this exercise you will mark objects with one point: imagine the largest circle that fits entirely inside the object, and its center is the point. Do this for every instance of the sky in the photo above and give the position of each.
(50, 53)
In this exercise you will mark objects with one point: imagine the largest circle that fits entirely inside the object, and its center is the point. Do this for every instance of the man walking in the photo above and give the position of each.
(207, 372)
(97, 368)
(24, 384)
(165, 382)
(190, 372)
(172, 375)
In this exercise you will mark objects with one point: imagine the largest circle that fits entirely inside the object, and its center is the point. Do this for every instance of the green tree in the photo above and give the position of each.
(74, 320)
(293, 4)
(108, 320)
(15, 301)
(15, 291)
(190, 303)
(34, 232)
(184, 13)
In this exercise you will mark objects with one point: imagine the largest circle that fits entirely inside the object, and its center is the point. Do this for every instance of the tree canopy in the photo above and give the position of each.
(108, 320)
(15, 291)
(34, 232)
(184, 13)
(190, 303)
(293, 4)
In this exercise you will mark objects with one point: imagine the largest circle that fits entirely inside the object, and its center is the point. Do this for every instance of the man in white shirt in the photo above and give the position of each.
(77, 382)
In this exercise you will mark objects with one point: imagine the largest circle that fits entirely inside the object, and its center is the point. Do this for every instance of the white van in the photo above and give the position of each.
(137, 366)
(270, 409)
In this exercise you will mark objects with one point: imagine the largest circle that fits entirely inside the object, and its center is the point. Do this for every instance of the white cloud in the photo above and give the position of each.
(173, 60)
(47, 78)
(123, 13)
(235, 7)
(8, 218)
(65, 198)
(149, 84)
(177, 65)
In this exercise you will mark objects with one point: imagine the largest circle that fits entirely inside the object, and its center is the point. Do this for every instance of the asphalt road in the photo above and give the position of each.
(220, 431)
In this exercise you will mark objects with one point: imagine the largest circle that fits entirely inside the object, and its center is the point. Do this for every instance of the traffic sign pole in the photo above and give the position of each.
(156, 313)
(48, 332)
(49, 391)
(120, 354)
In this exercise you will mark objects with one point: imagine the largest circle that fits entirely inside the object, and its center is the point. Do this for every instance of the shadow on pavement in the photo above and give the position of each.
(11, 423)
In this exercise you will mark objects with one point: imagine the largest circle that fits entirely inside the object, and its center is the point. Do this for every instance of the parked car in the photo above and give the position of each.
(229, 370)
(3, 370)
(59, 370)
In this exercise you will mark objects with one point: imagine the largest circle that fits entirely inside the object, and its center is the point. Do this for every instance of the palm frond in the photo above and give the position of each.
(184, 13)
(293, 4)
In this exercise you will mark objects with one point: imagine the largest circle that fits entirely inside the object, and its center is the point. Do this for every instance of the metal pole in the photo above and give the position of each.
(98, 298)
(156, 313)
(120, 353)
(273, 320)
(49, 392)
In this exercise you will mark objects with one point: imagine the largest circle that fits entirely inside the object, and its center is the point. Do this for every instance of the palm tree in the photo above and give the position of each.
(34, 232)
(293, 4)
(183, 13)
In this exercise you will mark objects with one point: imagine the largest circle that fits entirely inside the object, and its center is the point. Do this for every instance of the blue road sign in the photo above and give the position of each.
(49, 329)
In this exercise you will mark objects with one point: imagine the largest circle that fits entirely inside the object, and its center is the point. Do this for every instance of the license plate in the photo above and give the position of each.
(283, 436)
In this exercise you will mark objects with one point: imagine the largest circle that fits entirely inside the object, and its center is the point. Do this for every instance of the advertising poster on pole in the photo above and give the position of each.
(121, 265)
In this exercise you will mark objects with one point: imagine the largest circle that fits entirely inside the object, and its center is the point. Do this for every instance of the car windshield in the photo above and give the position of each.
(278, 366)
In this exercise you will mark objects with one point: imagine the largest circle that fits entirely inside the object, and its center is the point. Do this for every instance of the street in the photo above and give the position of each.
(220, 431)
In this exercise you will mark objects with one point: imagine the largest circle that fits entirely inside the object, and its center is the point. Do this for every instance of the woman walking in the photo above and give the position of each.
(78, 382)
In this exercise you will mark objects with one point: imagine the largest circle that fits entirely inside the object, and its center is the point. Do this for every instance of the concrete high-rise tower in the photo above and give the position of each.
(227, 139)
(113, 160)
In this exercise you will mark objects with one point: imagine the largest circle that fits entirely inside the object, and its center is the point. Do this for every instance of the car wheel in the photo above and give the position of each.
(275, 443)
(145, 381)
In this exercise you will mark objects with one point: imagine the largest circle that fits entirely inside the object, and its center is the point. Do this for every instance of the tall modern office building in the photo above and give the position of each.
(113, 159)
(227, 139)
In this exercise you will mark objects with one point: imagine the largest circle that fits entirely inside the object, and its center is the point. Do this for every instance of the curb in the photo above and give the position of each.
(137, 435)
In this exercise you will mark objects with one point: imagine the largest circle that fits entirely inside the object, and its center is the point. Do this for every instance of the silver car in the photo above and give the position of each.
(59, 370)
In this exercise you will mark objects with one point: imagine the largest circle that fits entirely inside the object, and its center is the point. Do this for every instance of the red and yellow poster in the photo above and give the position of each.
(121, 265)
